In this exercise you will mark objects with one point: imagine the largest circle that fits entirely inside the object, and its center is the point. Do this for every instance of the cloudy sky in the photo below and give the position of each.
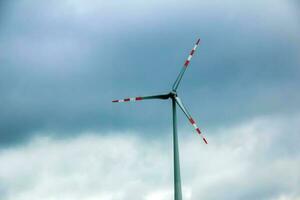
(62, 62)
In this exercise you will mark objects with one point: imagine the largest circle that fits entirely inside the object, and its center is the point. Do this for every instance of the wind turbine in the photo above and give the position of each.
(175, 100)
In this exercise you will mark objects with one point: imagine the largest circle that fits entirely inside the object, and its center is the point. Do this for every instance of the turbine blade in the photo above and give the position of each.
(187, 114)
(162, 96)
(185, 65)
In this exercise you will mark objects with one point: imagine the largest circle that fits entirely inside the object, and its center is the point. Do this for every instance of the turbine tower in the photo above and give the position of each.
(175, 101)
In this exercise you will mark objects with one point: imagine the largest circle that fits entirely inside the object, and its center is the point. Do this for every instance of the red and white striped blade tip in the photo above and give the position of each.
(192, 121)
(128, 99)
(188, 60)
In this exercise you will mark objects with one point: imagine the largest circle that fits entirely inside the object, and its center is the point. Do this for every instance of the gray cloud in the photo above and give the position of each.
(63, 62)
(252, 160)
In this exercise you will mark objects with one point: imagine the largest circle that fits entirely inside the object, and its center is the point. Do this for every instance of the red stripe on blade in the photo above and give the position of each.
(186, 63)
(191, 120)
(192, 52)
(128, 99)
(138, 98)
(205, 141)
(115, 101)
(198, 130)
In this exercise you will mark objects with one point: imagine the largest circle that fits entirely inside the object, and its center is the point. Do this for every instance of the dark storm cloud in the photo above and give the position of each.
(63, 63)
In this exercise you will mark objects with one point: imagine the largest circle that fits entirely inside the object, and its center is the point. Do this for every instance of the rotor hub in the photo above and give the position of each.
(173, 94)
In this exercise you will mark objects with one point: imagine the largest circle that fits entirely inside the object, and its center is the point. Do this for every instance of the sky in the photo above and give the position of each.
(62, 62)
